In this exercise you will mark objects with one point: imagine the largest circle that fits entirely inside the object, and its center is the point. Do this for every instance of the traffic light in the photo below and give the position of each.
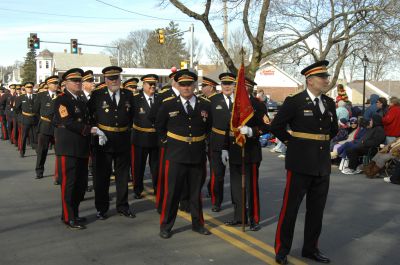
(183, 65)
(161, 36)
(74, 46)
(33, 41)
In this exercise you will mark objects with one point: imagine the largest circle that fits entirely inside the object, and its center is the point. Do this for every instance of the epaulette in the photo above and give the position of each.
(295, 94)
(163, 90)
(136, 94)
(210, 96)
(204, 98)
(166, 99)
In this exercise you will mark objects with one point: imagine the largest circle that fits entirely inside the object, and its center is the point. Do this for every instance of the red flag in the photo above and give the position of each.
(242, 109)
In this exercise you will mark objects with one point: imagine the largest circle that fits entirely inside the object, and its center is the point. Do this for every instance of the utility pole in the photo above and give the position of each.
(191, 45)
(225, 29)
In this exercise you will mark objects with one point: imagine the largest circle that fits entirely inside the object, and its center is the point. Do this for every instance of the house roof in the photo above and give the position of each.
(382, 88)
(65, 61)
(45, 54)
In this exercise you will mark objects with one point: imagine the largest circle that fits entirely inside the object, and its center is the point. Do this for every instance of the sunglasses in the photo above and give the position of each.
(113, 77)
(75, 80)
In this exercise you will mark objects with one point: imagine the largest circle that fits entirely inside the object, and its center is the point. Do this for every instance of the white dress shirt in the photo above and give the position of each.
(148, 98)
(321, 105)
(192, 102)
(227, 100)
(87, 94)
(117, 95)
(176, 91)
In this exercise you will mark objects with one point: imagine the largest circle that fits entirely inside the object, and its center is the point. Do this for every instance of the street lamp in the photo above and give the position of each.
(365, 62)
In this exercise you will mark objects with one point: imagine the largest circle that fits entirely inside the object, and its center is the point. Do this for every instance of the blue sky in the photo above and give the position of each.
(20, 17)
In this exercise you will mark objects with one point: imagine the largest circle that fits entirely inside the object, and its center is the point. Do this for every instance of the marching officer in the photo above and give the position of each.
(44, 108)
(221, 108)
(72, 135)
(112, 112)
(131, 85)
(183, 123)
(4, 95)
(208, 87)
(10, 113)
(16, 117)
(253, 156)
(144, 138)
(24, 107)
(312, 117)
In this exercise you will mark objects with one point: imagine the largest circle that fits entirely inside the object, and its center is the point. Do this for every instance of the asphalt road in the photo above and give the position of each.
(361, 224)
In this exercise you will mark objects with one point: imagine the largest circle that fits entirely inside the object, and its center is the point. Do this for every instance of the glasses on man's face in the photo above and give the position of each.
(112, 78)
(151, 84)
(75, 80)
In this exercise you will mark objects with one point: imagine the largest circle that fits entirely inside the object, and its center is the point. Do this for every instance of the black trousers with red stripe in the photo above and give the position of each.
(217, 176)
(175, 176)
(28, 130)
(16, 131)
(4, 132)
(104, 161)
(252, 192)
(73, 172)
(297, 185)
(161, 180)
(138, 166)
(41, 152)
(10, 126)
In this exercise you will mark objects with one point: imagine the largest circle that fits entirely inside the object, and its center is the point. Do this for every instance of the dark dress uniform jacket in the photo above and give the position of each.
(3, 103)
(10, 107)
(141, 119)
(44, 108)
(103, 111)
(72, 132)
(252, 147)
(221, 121)
(163, 94)
(172, 117)
(306, 156)
(25, 105)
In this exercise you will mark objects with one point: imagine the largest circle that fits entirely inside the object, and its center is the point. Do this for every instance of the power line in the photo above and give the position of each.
(136, 13)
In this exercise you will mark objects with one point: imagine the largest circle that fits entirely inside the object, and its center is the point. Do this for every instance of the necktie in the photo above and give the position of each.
(229, 103)
(316, 100)
(53, 96)
(189, 108)
(114, 100)
(151, 102)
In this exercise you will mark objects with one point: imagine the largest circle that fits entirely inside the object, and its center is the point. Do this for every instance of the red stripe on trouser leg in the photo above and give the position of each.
(255, 195)
(201, 210)
(165, 192)
(63, 184)
(160, 177)
(212, 187)
(283, 212)
(133, 164)
(56, 170)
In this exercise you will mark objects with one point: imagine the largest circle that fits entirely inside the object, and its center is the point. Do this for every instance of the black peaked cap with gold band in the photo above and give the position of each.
(250, 82)
(131, 82)
(208, 82)
(51, 80)
(29, 84)
(101, 85)
(42, 85)
(12, 86)
(316, 69)
(110, 71)
(150, 78)
(185, 76)
(172, 75)
(74, 73)
(227, 78)
(88, 76)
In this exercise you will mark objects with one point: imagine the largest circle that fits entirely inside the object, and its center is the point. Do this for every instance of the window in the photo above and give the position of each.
(47, 64)
(40, 64)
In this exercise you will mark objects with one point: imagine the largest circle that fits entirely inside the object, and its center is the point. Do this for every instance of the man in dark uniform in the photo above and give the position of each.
(162, 95)
(131, 84)
(112, 112)
(312, 117)
(4, 95)
(16, 118)
(221, 108)
(72, 135)
(183, 123)
(24, 107)
(144, 138)
(252, 153)
(208, 87)
(10, 113)
(44, 108)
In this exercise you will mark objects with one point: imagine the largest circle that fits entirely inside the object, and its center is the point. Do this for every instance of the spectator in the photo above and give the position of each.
(360, 128)
(382, 106)
(371, 110)
(349, 107)
(395, 178)
(391, 121)
(374, 136)
(387, 153)
(342, 134)
(341, 111)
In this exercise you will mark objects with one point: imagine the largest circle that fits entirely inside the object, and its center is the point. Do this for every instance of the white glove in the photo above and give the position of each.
(246, 130)
(102, 140)
(225, 157)
(100, 133)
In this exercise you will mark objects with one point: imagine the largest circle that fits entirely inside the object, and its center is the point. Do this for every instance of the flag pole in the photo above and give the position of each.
(243, 173)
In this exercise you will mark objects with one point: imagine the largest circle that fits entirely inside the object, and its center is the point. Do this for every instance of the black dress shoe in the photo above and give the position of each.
(232, 223)
(201, 230)
(254, 226)
(127, 213)
(75, 226)
(80, 219)
(101, 216)
(317, 256)
(281, 259)
(165, 234)
(216, 208)
(137, 196)
(39, 176)
(56, 182)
